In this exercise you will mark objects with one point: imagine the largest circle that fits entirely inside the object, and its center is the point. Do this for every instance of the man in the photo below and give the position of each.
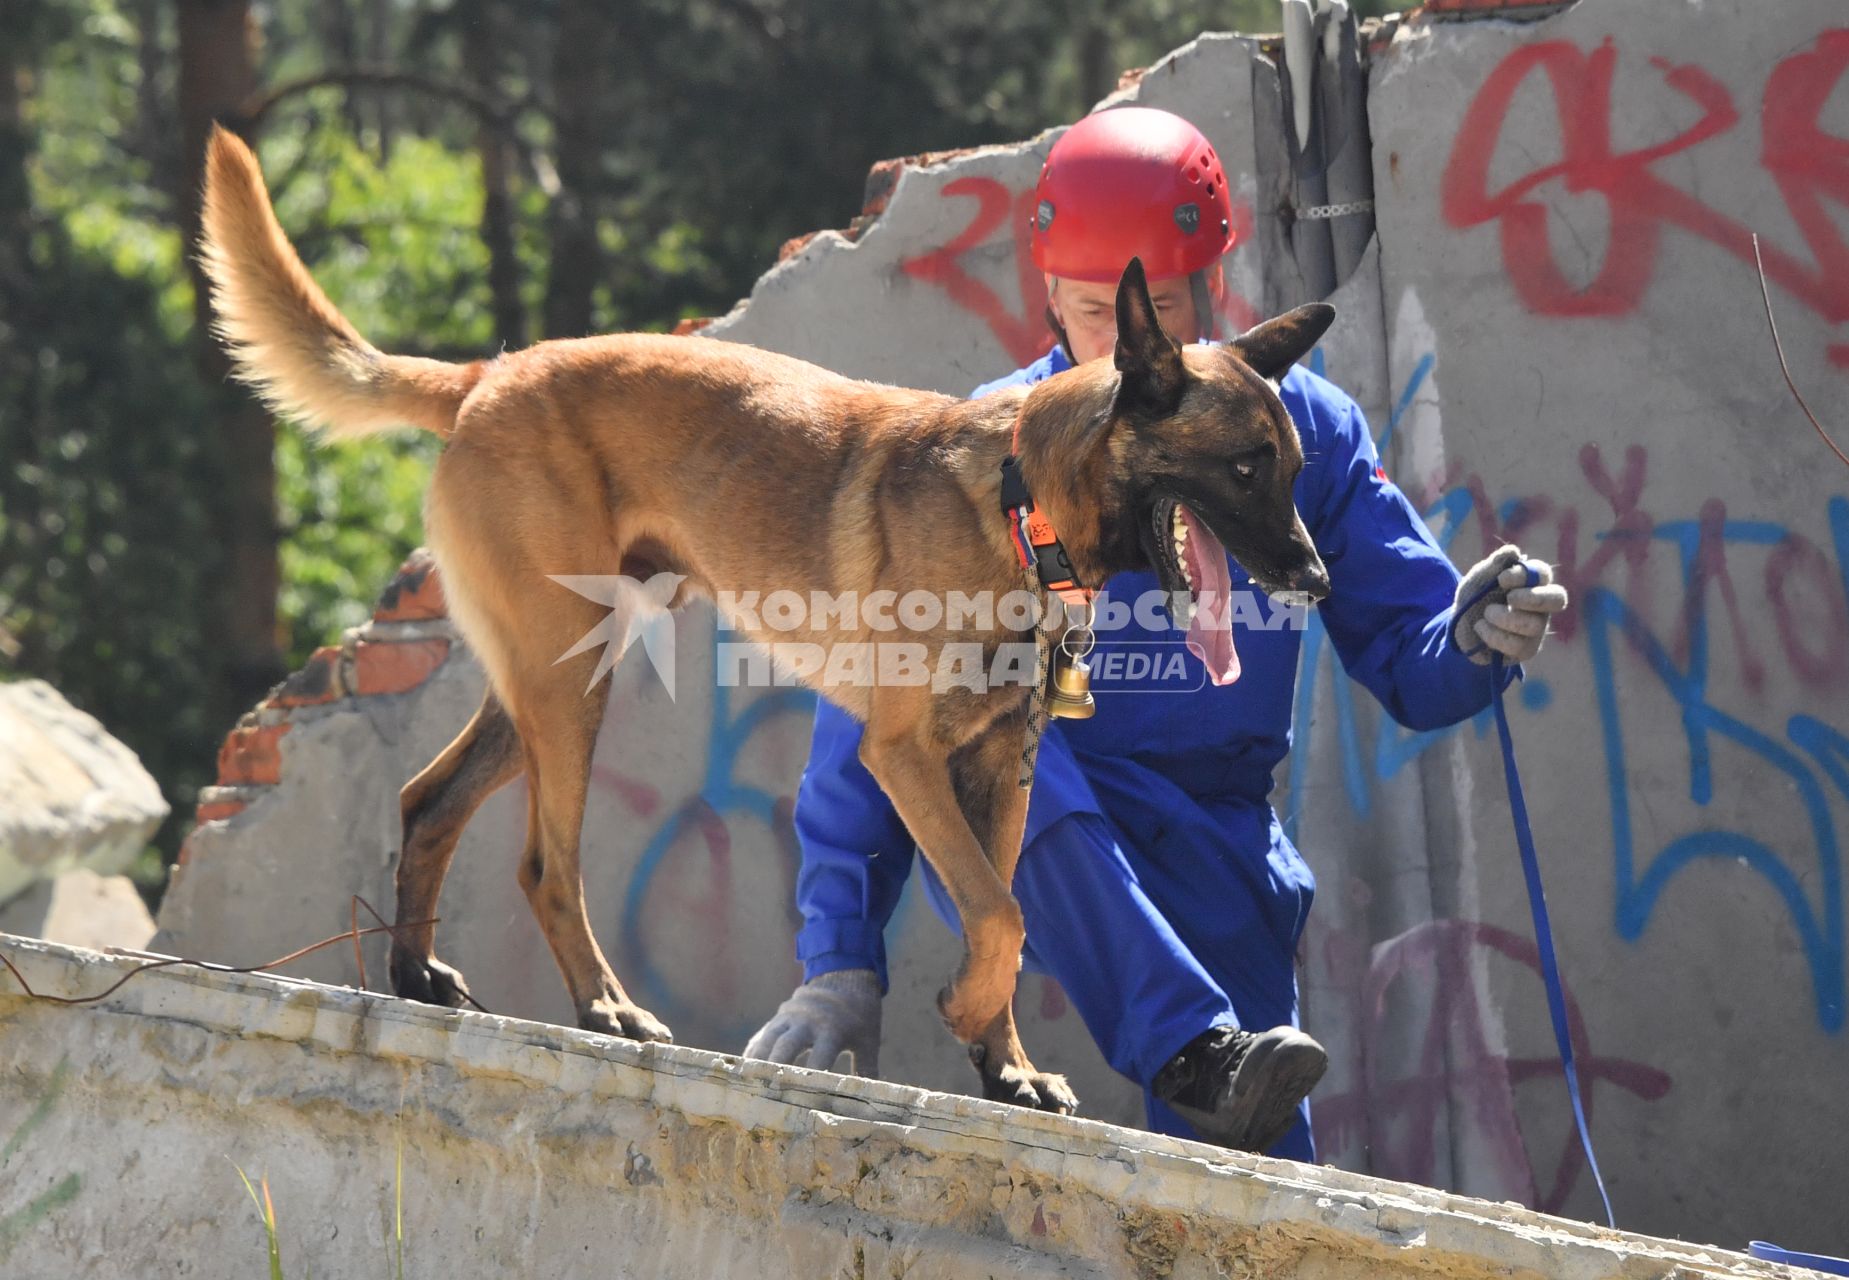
(1157, 885)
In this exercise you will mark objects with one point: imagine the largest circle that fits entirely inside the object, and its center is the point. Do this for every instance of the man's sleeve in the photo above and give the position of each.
(856, 853)
(1392, 588)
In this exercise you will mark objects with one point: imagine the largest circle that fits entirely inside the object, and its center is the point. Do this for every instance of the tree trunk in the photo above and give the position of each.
(579, 68)
(340, 35)
(15, 145)
(480, 42)
(218, 46)
(154, 130)
(379, 37)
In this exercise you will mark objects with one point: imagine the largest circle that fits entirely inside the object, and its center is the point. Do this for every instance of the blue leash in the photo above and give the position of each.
(1537, 904)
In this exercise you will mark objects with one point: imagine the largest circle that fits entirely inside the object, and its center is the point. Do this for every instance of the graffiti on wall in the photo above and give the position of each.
(1808, 166)
(703, 822)
(1396, 1117)
(15, 1224)
(1652, 596)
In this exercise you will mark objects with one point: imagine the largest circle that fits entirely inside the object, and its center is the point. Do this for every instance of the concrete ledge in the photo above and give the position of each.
(536, 1150)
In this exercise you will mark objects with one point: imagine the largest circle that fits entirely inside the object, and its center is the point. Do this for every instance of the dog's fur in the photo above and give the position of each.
(748, 471)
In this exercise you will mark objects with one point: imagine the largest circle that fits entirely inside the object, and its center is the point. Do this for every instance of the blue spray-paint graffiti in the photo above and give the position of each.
(721, 795)
(1816, 915)
(1819, 927)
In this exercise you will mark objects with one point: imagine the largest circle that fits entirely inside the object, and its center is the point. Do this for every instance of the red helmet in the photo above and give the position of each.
(1131, 182)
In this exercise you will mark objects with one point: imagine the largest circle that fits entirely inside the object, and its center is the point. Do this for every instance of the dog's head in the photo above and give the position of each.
(1196, 456)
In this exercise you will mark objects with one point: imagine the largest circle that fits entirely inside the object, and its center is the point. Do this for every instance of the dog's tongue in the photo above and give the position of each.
(1210, 633)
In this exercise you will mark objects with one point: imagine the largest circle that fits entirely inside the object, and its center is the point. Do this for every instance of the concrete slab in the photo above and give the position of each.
(529, 1149)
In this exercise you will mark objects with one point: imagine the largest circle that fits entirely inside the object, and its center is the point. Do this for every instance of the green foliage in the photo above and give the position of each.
(396, 245)
(106, 551)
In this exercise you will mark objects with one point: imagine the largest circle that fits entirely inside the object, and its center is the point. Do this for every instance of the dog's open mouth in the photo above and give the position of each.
(1191, 565)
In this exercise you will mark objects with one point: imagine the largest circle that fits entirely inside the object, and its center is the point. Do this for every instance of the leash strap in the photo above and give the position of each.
(1537, 906)
(1036, 702)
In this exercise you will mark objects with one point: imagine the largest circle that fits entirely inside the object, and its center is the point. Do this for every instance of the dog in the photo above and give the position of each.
(744, 470)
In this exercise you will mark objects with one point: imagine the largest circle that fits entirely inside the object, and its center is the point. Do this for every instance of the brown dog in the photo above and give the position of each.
(748, 471)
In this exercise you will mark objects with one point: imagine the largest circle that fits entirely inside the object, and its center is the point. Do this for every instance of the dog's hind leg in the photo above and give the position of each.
(437, 805)
(558, 728)
(984, 773)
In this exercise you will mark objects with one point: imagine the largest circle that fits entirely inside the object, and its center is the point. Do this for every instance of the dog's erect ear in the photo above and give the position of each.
(1148, 359)
(1272, 347)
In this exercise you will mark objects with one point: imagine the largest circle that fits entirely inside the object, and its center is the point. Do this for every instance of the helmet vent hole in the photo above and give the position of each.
(1194, 175)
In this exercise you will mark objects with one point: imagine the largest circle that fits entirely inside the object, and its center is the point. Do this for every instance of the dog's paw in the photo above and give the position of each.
(428, 980)
(620, 1018)
(1022, 1086)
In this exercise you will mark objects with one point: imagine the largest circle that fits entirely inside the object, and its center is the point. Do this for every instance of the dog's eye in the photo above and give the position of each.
(1245, 470)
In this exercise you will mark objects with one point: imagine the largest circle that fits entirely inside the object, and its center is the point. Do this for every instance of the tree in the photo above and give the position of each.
(218, 77)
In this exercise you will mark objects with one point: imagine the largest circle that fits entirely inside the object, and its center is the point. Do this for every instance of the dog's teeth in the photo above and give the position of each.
(1178, 534)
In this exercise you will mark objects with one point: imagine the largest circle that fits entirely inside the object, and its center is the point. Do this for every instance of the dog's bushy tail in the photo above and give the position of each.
(286, 339)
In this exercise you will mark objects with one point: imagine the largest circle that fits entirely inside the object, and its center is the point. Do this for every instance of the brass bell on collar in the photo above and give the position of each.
(1070, 698)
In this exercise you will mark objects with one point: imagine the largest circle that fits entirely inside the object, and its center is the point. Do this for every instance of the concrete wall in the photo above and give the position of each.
(1557, 336)
(488, 1146)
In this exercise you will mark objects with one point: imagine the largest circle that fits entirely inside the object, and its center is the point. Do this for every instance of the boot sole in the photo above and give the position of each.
(1268, 1089)
(1286, 1078)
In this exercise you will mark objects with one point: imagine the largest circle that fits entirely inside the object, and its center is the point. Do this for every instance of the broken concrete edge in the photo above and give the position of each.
(885, 179)
(408, 637)
(1467, 10)
(1152, 1173)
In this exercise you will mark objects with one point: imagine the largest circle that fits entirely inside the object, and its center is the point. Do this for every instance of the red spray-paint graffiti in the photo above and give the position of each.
(1024, 334)
(1808, 165)
(1398, 1117)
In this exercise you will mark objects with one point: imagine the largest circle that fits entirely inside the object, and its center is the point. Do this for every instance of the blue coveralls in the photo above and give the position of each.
(1158, 888)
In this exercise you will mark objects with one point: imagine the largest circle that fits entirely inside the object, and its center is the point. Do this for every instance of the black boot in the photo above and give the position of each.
(1239, 1088)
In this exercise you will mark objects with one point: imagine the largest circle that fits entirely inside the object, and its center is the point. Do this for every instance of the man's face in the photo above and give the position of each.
(1088, 312)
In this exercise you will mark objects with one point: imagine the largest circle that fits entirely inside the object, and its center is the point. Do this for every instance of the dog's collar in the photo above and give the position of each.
(1036, 545)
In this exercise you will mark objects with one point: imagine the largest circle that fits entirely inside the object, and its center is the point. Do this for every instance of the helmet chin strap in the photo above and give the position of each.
(1059, 331)
(1204, 317)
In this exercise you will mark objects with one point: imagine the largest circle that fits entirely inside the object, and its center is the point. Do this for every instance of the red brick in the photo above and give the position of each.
(251, 756)
(318, 682)
(216, 811)
(882, 180)
(384, 666)
(414, 593)
(795, 244)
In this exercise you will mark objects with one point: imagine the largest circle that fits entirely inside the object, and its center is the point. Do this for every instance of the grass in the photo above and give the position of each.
(266, 1211)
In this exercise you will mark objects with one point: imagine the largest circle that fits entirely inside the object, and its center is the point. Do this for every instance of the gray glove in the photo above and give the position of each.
(834, 1014)
(1512, 618)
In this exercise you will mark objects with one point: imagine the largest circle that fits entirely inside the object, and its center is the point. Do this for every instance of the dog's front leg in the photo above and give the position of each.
(978, 1003)
(984, 775)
